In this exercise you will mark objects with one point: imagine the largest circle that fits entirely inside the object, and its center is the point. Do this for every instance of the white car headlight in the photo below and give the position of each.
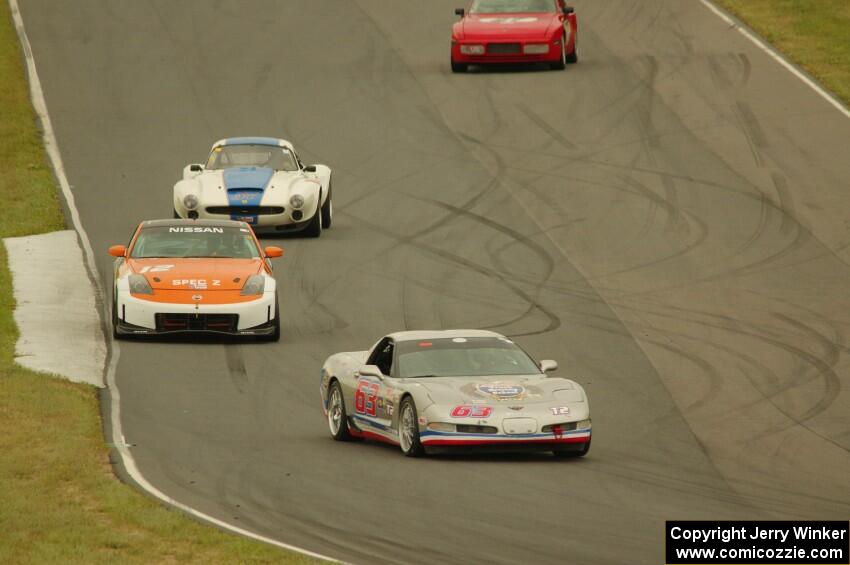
(255, 284)
(583, 425)
(190, 201)
(139, 284)
(535, 48)
(472, 49)
(441, 427)
(296, 201)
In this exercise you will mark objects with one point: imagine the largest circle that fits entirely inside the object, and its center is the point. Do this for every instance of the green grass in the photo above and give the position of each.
(815, 34)
(59, 500)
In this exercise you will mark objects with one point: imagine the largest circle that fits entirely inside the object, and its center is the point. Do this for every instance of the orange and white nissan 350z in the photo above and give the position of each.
(195, 276)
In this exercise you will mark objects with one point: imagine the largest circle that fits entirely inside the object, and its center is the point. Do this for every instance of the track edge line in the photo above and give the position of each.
(51, 147)
(777, 56)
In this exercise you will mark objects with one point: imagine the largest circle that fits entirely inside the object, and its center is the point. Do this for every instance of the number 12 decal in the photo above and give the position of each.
(364, 398)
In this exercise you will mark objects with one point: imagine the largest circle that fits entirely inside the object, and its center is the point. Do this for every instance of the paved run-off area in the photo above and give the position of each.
(56, 311)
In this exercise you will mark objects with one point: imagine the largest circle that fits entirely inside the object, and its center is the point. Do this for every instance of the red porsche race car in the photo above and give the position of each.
(514, 31)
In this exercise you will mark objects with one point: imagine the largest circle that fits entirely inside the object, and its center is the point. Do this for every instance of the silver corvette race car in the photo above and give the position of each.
(260, 181)
(429, 391)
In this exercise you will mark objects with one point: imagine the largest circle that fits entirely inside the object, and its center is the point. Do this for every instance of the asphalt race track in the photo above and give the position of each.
(667, 219)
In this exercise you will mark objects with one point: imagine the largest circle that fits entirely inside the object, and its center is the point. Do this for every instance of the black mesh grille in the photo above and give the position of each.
(197, 322)
(245, 210)
(504, 48)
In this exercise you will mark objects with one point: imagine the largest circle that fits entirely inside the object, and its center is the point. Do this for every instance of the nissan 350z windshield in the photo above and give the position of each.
(195, 241)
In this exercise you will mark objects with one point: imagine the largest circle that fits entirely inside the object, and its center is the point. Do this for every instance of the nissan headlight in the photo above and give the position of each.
(472, 49)
(297, 201)
(255, 284)
(139, 285)
(535, 48)
(190, 201)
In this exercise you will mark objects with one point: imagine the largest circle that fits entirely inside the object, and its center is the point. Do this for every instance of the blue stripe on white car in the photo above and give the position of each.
(246, 187)
(252, 141)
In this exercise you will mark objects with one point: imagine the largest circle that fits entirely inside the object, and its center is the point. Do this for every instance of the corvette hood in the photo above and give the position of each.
(249, 186)
(196, 274)
(495, 390)
(507, 27)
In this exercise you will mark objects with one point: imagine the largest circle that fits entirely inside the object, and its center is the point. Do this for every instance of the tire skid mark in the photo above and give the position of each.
(752, 130)
(822, 367)
(786, 202)
(556, 136)
(546, 259)
(233, 353)
(766, 208)
(553, 321)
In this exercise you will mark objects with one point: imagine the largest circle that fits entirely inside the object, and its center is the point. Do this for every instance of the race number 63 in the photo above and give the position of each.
(364, 398)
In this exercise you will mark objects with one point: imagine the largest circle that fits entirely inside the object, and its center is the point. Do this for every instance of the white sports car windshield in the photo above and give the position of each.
(191, 241)
(462, 357)
(270, 156)
(511, 6)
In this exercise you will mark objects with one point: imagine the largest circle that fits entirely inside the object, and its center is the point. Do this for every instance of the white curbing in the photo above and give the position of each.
(56, 312)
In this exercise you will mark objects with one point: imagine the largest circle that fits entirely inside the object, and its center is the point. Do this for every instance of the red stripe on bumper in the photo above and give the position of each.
(427, 441)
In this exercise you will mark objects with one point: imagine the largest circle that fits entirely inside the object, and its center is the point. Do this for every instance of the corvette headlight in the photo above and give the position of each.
(441, 427)
(254, 285)
(139, 285)
(472, 49)
(190, 201)
(535, 48)
(296, 201)
(583, 425)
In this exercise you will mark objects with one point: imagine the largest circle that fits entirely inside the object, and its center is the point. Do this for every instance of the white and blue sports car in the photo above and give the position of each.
(260, 181)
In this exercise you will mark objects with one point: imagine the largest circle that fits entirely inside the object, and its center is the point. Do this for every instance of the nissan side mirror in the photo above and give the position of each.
(196, 168)
(460, 12)
(568, 10)
(273, 252)
(370, 371)
(547, 365)
(118, 250)
(310, 169)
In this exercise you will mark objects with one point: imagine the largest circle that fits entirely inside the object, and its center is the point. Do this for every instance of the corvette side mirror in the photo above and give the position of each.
(460, 12)
(568, 10)
(547, 365)
(118, 250)
(370, 371)
(310, 169)
(196, 168)
(272, 252)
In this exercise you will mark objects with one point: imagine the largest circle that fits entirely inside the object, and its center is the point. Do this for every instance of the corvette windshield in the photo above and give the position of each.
(195, 241)
(511, 6)
(271, 156)
(462, 357)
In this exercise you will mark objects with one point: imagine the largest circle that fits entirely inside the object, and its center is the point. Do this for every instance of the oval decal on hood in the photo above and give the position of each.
(502, 390)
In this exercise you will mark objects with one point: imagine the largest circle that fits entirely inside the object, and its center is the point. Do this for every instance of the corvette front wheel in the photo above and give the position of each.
(408, 429)
(337, 418)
